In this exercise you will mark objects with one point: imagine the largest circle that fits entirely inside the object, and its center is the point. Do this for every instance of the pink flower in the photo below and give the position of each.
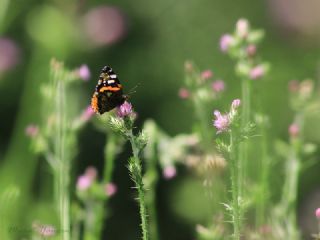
(242, 28)
(222, 122)
(87, 114)
(235, 103)
(104, 25)
(294, 130)
(84, 182)
(111, 189)
(317, 213)
(32, 130)
(9, 54)
(205, 75)
(44, 230)
(84, 72)
(169, 172)
(124, 110)
(251, 50)
(226, 42)
(218, 86)
(184, 93)
(257, 72)
(91, 172)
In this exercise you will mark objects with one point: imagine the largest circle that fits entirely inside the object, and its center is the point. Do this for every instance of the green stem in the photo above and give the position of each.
(245, 118)
(140, 187)
(63, 163)
(235, 184)
(109, 157)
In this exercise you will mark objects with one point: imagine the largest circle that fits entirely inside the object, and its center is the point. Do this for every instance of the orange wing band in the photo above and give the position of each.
(94, 103)
(112, 89)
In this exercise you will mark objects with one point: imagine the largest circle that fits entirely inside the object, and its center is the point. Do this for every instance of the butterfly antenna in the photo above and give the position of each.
(133, 90)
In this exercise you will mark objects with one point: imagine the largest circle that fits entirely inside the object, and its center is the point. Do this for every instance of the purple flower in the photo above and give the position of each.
(84, 72)
(184, 93)
(91, 172)
(9, 54)
(222, 122)
(111, 189)
(257, 72)
(104, 25)
(317, 213)
(207, 74)
(294, 130)
(84, 182)
(169, 172)
(32, 130)
(242, 28)
(218, 86)
(124, 110)
(225, 42)
(235, 104)
(87, 114)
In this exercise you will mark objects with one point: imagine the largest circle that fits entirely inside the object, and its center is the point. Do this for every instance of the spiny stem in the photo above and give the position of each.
(236, 214)
(140, 187)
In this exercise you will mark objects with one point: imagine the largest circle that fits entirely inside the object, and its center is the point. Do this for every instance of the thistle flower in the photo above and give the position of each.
(226, 41)
(257, 72)
(87, 114)
(9, 54)
(111, 189)
(124, 110)
(235, 104)
(251, 50)
(218, 86)
(184, 93)
(222, 122)
(207, 74)
(294, 130)
(242, 28)
(91, 172)
(84, 182)
(32, 130)
(104, 25)
(317, 213)
(84, 72)
(169, 172)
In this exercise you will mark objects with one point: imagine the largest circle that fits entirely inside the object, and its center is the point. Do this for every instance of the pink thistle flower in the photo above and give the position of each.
(184, 93)
(251, 50)
(87, 114)
(257, 72)
(91, 172)
(294, 130)
(44, 230)
(293, 86)
(84, 72)
(226, 42)
(235, 104)
(222, 122)
(124, 110)
(32, 130)
(207, 74)
(111, 189)
(9, 54)
(317, 213)
(169, 172)
(242, 28)
(104, 25)
(218, 86)
(84, 182)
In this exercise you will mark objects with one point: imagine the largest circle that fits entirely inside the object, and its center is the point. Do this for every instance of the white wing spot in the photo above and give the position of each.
(113, 76)
(110, 81)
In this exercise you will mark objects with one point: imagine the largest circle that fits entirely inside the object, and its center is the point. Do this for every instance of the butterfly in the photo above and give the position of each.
(108, 93)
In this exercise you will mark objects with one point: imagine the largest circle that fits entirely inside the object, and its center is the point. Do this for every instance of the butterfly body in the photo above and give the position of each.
(108, 92)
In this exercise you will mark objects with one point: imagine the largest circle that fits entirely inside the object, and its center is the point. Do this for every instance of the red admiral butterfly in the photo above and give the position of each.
(108, 93)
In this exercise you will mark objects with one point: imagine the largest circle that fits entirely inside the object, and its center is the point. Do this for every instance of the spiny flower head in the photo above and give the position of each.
(222, 121)
(226, 41)
(124, 110)
(218, 86)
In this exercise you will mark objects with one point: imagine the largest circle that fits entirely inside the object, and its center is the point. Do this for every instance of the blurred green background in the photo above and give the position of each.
(146, 43)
